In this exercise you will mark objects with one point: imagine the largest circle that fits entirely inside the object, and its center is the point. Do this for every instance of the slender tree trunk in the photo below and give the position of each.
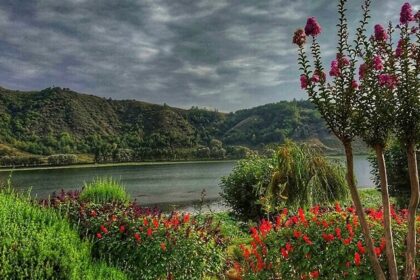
(379, 274)
(390, 253)
(410, 272)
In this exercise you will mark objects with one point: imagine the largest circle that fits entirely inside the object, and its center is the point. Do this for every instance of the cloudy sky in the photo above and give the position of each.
(224, 54)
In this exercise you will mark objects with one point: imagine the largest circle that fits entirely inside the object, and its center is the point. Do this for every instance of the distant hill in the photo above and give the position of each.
(54, 121)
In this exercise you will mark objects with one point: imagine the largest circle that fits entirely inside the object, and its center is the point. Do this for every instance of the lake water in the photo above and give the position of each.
(169, 185)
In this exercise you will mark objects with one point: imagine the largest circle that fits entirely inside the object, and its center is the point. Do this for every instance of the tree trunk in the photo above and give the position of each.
(379, 274)
(390, 253)
(410, 272)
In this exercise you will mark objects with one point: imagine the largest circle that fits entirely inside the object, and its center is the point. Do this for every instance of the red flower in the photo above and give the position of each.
(145, 222)
(315, 210)
(338, 233)
(338, 207)
(314, 274)
(122, 229)
(186, 218)
(289, 246)
(156, 223)
(93, 213)
(301, 215)
(328, 237)
(307, 240)
(137, 237)
(99, 236)
(297, 233)
(163, 246)
(104, 229)
(149, 232)
(265, 227)
(284, 253)
(347, 241)
(378, 251)
(356, 259)
(312, 27)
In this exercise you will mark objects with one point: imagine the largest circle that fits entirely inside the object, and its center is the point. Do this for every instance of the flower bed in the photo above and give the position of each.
(146, 243)
(320, 243)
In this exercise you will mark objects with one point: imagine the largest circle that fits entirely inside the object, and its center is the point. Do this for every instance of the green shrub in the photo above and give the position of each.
(240, 188)
(296, 176)
(102, 190)
(36, 243)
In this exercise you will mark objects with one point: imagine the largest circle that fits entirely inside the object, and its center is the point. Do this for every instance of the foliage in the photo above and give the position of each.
(103, 190)
(145, 243)
(240, 187)
(296, 176)
(320, 243)
(61, 121)
(37, 243)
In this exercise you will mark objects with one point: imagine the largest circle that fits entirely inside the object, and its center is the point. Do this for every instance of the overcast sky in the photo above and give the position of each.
(224, 54)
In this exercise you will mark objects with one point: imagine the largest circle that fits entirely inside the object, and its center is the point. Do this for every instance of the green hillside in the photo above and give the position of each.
(58, 125)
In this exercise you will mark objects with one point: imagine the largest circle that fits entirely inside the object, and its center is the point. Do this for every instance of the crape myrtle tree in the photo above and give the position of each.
(336, 100)
(375, 115)
(407, 115)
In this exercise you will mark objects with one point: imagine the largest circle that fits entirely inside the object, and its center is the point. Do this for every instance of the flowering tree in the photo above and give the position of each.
(407, 55)
(336, 99)
(375, 115)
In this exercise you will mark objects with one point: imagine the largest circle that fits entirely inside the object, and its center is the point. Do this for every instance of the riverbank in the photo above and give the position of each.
(96, 165)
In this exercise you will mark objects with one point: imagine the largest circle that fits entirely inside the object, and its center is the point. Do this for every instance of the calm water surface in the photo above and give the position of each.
(160, 184)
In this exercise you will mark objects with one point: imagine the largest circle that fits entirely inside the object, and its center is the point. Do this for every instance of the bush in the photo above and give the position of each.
(62, 159)
(296, 176)
(37, 243)
(397, 171)
(240, 188)
(145, 243)
(320, 243)
(102, 190)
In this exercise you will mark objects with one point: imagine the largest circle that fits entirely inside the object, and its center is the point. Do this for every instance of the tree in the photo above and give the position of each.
(336, 100)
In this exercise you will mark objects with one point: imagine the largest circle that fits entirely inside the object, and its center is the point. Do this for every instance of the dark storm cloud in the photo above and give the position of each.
(213, 53)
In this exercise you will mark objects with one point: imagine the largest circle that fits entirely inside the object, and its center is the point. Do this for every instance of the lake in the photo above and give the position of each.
(167, 185)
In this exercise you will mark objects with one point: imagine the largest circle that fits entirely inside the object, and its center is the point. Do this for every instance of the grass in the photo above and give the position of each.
(37, 243)
(103, 190)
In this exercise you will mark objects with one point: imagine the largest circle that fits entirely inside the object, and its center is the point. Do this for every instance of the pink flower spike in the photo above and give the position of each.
(380, 33)
(312, 27)
(335, 71)
(406, 14)
(303, 81)
(354, 84)
(377, 63)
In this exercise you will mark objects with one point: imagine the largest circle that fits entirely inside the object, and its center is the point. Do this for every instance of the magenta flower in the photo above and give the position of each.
(303, 81)
(315, 78)
(299, 38)
(377, 63)
(335, 70)
(387, 80)
(399, 49)
(312, 27)
(406, 14)
(354, 84)
(362, 71)
(380, 33)
(342, 60)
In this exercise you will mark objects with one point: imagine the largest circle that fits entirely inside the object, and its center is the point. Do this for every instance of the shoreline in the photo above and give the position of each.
(98, 165)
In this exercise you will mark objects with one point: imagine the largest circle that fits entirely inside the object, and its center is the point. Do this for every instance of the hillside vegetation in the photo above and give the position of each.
(60, 126)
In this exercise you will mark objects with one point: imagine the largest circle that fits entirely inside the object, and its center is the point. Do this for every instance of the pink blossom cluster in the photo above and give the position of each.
(406, 14)
(299, 38)
(380, 33)
(312, 27)
(387, 80)
(377, 63)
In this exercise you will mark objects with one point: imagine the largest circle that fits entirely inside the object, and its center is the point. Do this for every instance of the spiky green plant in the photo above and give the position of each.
(103, 190)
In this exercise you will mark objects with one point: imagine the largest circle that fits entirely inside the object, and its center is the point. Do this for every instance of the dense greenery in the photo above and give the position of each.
(103, 190)
(146, 243)
(296, 176)
(37, 243)
(34, 125)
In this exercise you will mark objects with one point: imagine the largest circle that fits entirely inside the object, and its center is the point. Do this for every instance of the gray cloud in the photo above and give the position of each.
(225, 54)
